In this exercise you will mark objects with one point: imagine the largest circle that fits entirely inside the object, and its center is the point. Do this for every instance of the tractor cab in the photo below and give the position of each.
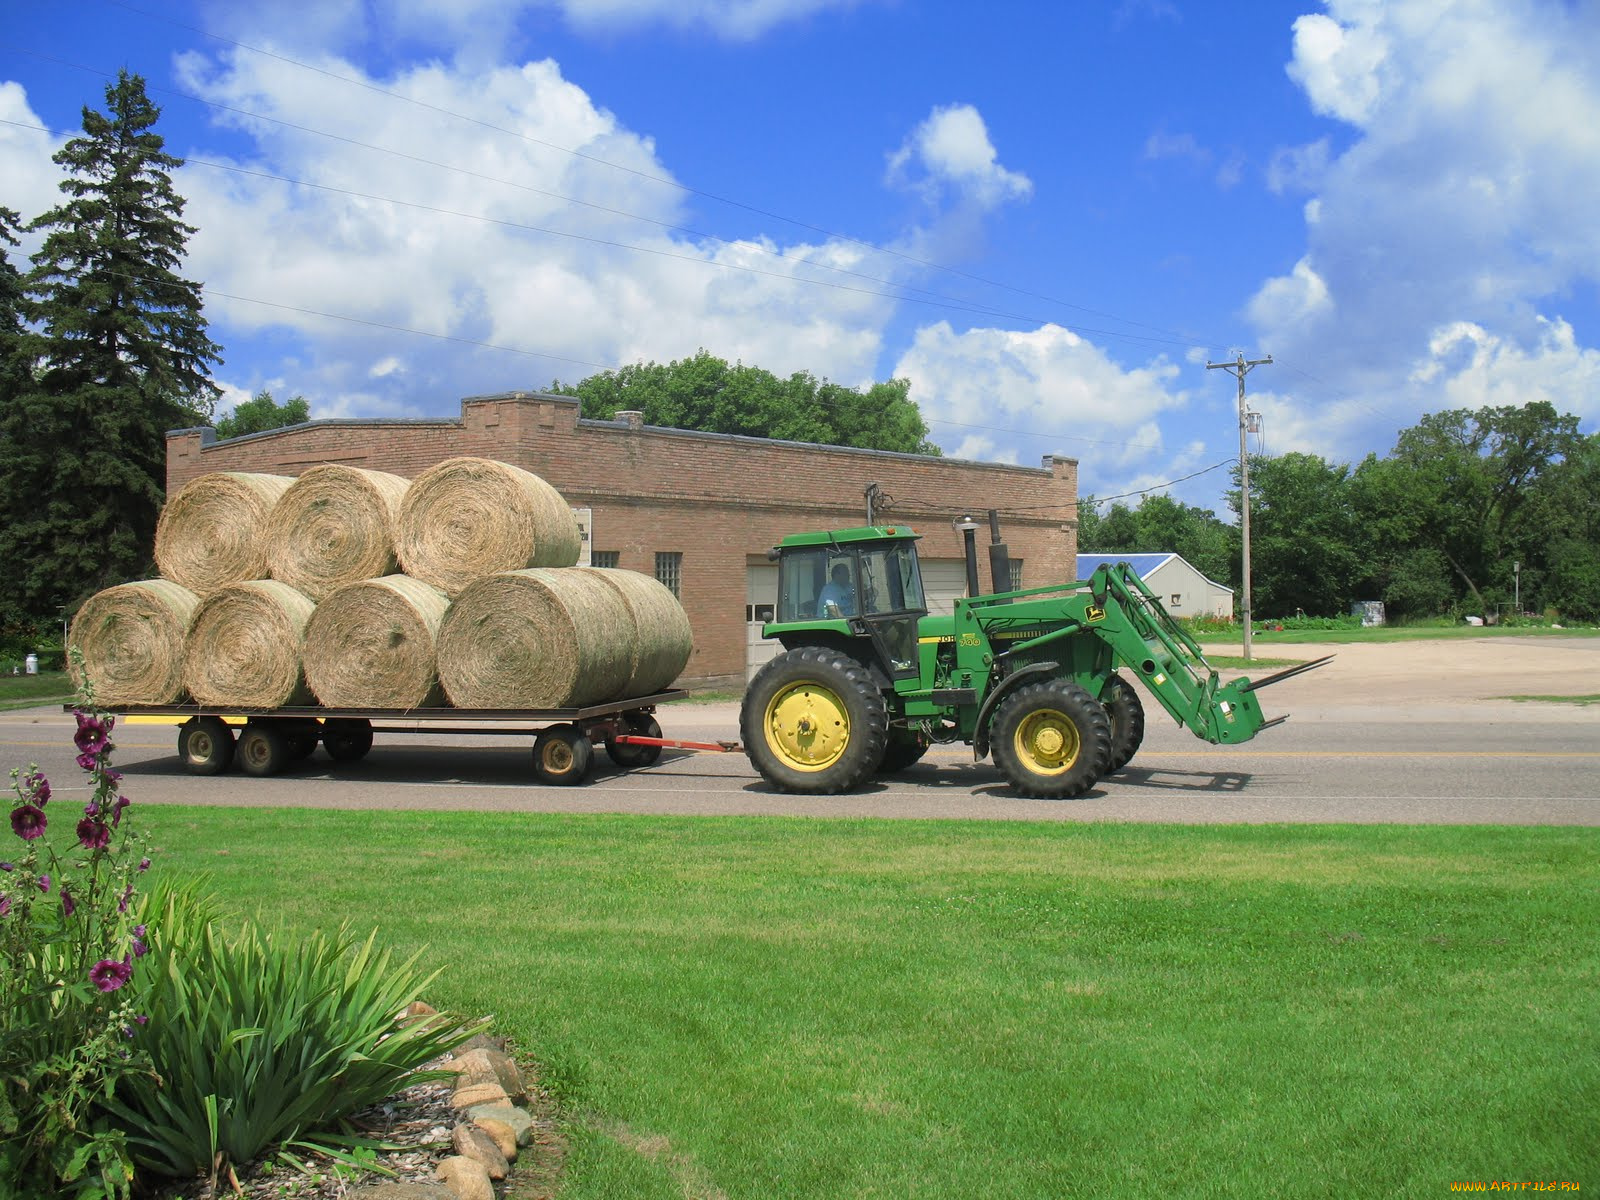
(848, 587)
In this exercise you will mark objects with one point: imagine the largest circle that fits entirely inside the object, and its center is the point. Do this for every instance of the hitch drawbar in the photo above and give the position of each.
(631, 739)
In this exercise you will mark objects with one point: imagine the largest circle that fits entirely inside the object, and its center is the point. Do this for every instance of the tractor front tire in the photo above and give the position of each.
(1126, 713)
(814, 722)
(1051, 739)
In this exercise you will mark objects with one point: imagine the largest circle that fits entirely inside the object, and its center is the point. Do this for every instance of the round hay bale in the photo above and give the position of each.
(244, 646)
(466, 518)
(536, 638)
(372, 645)
(214, 531)
(131, 638)
(335, 525)
(664, 641)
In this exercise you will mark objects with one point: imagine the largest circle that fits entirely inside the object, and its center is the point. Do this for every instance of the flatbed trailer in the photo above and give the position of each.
(269, 740)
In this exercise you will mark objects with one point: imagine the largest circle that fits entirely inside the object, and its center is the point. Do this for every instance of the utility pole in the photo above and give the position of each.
(1241, 368)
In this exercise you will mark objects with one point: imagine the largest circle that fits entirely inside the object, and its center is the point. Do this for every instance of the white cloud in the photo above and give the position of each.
(1291, 300)
(950, 151)
(1473, 368)
(1340, 65)
(1046, 388)
(1458, 221)
(480, 30)
(497, 252)
(32, 180)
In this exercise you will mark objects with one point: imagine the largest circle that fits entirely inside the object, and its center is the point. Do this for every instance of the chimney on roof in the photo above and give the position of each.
(633, 417)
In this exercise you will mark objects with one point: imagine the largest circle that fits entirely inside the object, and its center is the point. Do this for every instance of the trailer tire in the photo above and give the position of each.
(814, 722)
(562, 755)
(347, 739)
(263, 750)
(205, 745)
(905, 749)
(1126, 713)
(1052, 739)
(633, 757)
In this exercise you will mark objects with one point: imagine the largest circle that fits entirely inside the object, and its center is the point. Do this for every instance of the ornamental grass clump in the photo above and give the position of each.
(267, 1043)
(71, 943)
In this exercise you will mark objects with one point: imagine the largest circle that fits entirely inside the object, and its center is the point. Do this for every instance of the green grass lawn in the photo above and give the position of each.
(774, 1007)
(1389, 633)
(28, 691)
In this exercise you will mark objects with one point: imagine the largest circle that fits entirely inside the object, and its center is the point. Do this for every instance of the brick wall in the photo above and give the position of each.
(720, 501)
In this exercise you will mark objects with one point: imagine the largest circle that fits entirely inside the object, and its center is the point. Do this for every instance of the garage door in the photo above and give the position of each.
(943, 580)
(761, 598)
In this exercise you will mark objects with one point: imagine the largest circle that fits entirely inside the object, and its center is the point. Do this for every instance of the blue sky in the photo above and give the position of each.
(1048, 216)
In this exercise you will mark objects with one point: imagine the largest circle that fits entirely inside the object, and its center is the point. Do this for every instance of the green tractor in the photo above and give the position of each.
(867, 680)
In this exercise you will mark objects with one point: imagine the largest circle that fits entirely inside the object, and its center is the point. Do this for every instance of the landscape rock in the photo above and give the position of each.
(503, 1136)
(514, 1118)
(466, 1178)
(491, 1066)
(467, 1093)
(472, 1142)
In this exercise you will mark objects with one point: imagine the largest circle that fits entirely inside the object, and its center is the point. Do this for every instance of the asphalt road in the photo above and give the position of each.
(1339, 759)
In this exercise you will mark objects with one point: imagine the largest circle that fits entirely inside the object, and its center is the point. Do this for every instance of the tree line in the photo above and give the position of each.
(1472, 512)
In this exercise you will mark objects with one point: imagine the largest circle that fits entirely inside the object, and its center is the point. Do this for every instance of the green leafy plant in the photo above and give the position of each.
(266, 1041)
(70, 941)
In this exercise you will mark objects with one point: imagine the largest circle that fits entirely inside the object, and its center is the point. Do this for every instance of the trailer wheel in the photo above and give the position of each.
(814, 722)
(631, 757)
(1126, 713)
(347, 739)
(905, 749)
(562, 755)
(1052, 739)
(205, 745)
(263, 749)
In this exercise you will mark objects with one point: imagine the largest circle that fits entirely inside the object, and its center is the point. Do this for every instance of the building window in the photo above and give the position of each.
(1016, 574)
(1177, 599)
(605, 558)
(669, 570)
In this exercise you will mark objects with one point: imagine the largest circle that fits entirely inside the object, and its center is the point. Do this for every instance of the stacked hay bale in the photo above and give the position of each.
(357, 589)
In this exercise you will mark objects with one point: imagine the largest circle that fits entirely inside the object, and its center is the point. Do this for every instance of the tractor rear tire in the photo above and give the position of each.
(1051, 739)
(1126, 712)
(814, 722)
(905, 750)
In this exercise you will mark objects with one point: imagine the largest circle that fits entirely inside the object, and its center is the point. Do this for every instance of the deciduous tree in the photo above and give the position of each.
(261, 413)
(707, 393)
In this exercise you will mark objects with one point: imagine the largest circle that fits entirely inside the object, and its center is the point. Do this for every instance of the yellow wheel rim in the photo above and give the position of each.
(557, 757)
(807, 727)
(1047, 742)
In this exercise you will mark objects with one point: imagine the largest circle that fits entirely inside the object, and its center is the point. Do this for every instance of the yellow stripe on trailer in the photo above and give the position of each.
(170, 720)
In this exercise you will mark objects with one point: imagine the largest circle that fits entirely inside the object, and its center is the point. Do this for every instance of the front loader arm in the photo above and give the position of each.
(1146, 638)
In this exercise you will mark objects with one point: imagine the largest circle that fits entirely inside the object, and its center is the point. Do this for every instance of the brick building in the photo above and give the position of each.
(697, 510)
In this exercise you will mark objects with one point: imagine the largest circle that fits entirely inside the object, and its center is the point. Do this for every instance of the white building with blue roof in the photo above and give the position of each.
(1182, 589)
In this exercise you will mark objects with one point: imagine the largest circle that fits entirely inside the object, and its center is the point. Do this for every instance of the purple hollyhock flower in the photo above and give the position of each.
(88, 761)
(108, 976)
(7, 867)
(94, 733)
(144, 864)
(93, 834)
(127, 894)
(38, 788)
(116, 810)
(68, 904)
(5, 905)
(140, 947)
(44, 883)
(27, 821)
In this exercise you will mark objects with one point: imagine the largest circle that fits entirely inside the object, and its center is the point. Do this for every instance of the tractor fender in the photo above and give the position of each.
(980, 733)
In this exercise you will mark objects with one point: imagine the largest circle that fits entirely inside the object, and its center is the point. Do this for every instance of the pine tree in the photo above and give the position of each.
(118, 355)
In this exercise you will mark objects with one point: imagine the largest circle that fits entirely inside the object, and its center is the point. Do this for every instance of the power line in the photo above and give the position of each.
(1240, 368)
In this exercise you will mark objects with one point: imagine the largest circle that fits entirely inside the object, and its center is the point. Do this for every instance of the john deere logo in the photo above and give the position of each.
(1094, 613)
